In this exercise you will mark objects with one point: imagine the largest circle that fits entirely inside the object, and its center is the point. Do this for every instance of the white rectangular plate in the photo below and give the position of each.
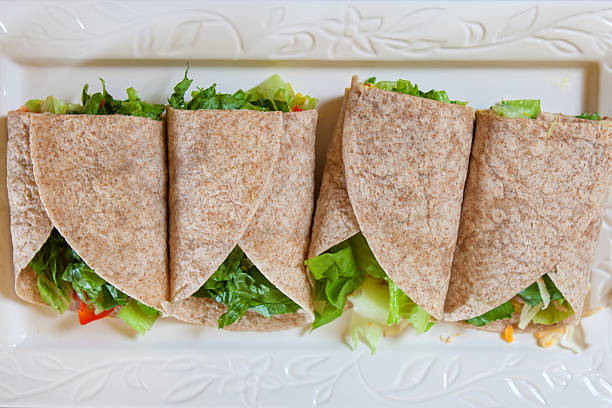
(559, 52)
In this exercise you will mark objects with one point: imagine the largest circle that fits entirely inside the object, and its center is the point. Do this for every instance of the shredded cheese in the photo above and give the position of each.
(449, 339)
(591, 312)
(508, 334)
(549, 338)
(392, 330)
(543, 292)
(528, 313)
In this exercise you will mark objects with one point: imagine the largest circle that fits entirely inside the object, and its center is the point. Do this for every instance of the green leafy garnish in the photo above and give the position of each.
(60, 271)
(501, 312)
(520, 108)
(406, 87)
(274, 94)
(349, 270)
(590, 116)
(240, 286)
(104, 104)
(52, 105)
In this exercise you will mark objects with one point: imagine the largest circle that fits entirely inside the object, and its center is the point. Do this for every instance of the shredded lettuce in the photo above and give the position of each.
(406, 87)
(535, 309)
(590, 116)
(104, 104)
(349, 270)
(60, 272)
(519, 108)
(273, 94)
(240, 286)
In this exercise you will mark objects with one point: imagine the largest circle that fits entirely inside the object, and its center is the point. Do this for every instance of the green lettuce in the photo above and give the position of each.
(501, 312)
(590, 116)
(139, 316)
(557, 310)
(349, 270)
(520, 108)
(60, 272)
(532, 296)
(406, 87)
(240, 286)
(52, 105)
(273, 94)
(102, 103)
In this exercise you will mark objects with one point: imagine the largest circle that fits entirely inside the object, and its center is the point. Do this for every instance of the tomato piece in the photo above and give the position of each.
(87, 315)
(297, 109)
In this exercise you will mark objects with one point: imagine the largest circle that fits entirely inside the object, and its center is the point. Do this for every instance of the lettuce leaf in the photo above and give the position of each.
(350, 270)
(406, 87)
(276, 94)
(501, 312)
(139, 316)
(401, 306)
(519, 108)
(52, 105)
(60, 271)
(590, 116)
(531, 295)
(557, 311)
(104, 104)
(240, 286)
(273, 94)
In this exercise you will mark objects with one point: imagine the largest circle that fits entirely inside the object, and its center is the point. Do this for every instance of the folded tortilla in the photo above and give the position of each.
(395, 171)
(101, 181)
(246, 178)
(532, 205)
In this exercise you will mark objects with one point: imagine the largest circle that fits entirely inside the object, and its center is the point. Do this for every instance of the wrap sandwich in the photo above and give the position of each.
(531, 218)
(387, 215)
(87, 195)
(241, 201)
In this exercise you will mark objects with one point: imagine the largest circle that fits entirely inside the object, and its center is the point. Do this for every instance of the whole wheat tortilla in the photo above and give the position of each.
(30, 226)
(532, 205)
(206, 312)
(101, 181)
(241, 178)
(334, 219)
(405, 162)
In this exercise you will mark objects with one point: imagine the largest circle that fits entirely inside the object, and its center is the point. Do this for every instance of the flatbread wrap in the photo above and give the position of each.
(387, 215)
(531, 217)
(240, 201)
(87, 194)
